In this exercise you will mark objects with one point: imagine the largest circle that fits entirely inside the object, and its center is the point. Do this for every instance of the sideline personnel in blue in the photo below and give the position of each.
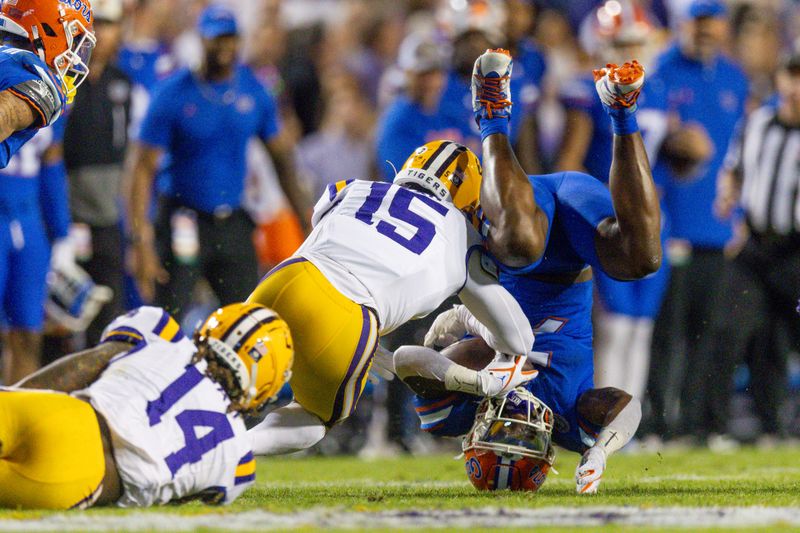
(548, 232)
(44, 58)
(704, 94)
(202, 122)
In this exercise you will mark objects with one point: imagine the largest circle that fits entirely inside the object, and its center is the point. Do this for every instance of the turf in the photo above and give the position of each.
(694, 479)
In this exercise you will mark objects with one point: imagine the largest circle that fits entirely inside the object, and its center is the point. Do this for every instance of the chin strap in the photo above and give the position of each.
(252, 391)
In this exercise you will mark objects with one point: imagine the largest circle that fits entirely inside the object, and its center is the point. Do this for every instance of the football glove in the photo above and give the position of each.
(506, 374)
(382, 365)
(590, 470)
(448, 328)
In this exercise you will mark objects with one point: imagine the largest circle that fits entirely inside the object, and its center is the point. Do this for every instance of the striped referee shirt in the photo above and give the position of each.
(765, 157)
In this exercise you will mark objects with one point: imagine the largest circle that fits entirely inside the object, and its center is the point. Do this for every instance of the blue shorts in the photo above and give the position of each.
(24, 263)
(639, 299)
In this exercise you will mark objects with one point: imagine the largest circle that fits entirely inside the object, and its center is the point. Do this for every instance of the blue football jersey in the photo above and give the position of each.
(204, 129)
(714, 96)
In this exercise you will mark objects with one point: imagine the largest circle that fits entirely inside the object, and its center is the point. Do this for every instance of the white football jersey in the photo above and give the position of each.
(172, 435)
(393, 249)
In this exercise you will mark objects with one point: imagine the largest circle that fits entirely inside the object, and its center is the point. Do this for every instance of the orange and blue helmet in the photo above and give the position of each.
(509, 447)
(58, 31)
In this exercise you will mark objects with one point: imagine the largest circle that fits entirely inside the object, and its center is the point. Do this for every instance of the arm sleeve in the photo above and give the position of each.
(54, 199)
(158, 123)
(507, 329)
(29, 79)
(144, 324)
(583, 203)
(332, 195)
(733, 158)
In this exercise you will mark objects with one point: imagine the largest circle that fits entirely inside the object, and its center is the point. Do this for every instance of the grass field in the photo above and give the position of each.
(690, 490)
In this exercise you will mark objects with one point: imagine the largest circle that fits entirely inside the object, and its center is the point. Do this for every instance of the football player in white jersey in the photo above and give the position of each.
(380, 255)
(147, 417)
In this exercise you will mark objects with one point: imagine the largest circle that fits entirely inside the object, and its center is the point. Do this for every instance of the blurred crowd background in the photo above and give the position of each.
(356, 85)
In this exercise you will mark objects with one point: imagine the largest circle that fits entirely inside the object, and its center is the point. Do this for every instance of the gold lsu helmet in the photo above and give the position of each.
(449, 170)
(255, 344)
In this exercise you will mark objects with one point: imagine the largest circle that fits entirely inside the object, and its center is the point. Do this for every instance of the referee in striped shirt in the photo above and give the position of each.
(762, 277)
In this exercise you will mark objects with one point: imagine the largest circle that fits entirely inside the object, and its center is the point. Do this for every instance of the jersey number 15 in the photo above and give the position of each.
(399, 211)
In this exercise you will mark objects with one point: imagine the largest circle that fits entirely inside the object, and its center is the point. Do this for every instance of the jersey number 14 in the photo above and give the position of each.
(188, 420)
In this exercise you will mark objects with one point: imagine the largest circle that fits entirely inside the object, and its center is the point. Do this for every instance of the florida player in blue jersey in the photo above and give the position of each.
(547, 233)
(625, 327)
(43, 60)
(34, 215)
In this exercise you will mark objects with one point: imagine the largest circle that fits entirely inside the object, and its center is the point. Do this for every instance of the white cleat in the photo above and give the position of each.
(491, 77)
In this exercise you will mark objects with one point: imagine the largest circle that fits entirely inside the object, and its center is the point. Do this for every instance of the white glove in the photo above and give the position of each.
(506, 374)
(447, 329)
(382, 365)
(590, 470)
(62, 256)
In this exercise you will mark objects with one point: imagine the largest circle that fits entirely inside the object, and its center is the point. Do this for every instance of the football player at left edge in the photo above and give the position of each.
(44, 57)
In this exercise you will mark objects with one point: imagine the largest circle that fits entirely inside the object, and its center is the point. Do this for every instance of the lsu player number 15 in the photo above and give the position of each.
(380, 254)
(45, 55)
(161, 423)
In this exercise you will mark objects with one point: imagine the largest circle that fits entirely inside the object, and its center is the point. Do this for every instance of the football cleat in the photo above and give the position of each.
(619, 87)
(509, 446)
(507, 372)
(255, 344)
(491, 78)
(590, 471)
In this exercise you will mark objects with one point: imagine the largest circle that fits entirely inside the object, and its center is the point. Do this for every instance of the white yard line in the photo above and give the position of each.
(675, 517)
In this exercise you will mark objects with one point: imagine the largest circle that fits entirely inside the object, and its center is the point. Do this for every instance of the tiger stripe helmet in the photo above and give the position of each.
(255, 344)
(451, 171)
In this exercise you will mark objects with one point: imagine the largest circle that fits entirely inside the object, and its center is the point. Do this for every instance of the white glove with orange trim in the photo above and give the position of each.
(590, 470)
(505, 374)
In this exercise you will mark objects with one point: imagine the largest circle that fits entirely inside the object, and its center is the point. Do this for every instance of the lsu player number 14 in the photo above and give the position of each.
(161, 423)
(380, 255)
(45, 55)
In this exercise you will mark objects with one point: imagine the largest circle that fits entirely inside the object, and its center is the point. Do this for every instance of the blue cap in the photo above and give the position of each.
(216, 21)
(707, 8)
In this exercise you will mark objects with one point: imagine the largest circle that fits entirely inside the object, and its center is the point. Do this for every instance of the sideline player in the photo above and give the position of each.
(380, 255)
(151, 417)
(548, 232)
(44, 58)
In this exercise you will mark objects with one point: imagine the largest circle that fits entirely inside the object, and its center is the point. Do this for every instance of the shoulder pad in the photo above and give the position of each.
(39, 95)
(143, 325)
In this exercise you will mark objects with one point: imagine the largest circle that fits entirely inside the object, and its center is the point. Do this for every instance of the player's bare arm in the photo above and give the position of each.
(518, 227)
(145, 265)
(15, 115)
(76, 371)
(628, 245)
(282, 157)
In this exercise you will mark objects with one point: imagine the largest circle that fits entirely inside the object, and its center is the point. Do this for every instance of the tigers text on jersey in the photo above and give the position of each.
(395, 250)
(171, 433)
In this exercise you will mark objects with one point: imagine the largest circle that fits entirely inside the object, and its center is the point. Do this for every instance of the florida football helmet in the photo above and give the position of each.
(509, 446)
(58, 31)
(451, 171)
(255, 344)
